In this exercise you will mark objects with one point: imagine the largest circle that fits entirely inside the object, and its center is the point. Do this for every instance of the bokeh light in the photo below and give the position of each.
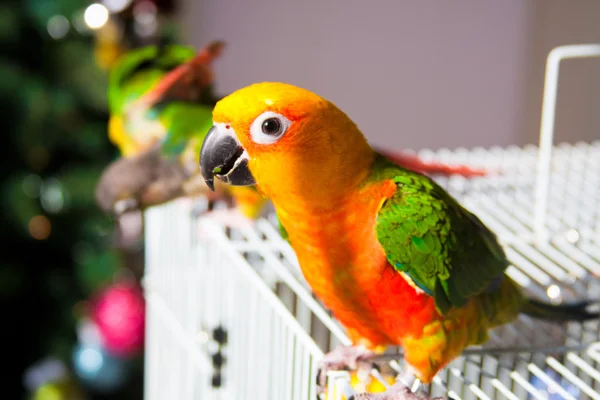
(31, 185)
(58, 26)
(78, 22)
(44, 371)
(87, 331)
(52, 196)
(91, 358)
(145, 18)
(96, 15)
(117, 5)
(49, 392)
(39, 227)
(572, 236)
(553, 292)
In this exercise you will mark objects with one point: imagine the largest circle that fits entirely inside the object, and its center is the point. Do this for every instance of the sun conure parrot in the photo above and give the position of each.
(395, 258)
(160, 101)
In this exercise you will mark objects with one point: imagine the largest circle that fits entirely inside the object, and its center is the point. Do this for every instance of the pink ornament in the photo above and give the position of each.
(119, 315)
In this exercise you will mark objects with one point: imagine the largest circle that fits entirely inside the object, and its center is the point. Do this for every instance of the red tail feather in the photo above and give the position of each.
(176, 83)
(414, 163)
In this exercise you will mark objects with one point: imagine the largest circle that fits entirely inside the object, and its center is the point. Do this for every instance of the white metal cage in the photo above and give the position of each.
(229, 315)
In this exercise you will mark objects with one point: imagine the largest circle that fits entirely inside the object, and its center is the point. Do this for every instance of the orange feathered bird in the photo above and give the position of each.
(395, 258)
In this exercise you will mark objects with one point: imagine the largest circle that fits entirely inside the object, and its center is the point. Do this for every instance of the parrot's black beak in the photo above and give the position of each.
(223, 156)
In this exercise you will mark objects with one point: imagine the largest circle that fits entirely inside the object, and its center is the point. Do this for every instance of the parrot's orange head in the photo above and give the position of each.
(286, 140)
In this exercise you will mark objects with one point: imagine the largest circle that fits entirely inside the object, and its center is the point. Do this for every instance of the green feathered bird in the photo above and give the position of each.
(160, 102)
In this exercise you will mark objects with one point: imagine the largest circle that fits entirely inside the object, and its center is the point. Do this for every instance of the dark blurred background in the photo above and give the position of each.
(56, 244)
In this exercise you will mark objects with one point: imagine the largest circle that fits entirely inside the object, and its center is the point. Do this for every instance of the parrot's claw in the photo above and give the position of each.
(125, 205)
(398, 391)
(343, 358)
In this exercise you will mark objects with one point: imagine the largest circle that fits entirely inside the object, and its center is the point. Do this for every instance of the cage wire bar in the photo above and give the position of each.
(203, 278)
(547, 125)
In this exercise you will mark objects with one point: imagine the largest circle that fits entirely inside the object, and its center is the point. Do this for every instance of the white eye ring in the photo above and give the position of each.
(277, 123)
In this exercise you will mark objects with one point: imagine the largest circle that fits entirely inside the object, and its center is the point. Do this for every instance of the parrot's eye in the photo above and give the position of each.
(269, 127)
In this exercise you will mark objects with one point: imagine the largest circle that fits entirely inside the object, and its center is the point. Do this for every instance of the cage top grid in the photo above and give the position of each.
(519, 351)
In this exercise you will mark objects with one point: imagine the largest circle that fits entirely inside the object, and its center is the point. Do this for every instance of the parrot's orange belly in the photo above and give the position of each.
(346, 267)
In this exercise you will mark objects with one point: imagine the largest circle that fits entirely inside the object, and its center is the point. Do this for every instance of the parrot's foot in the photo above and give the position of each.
(125, 205)
(398, 391)
(343, 358)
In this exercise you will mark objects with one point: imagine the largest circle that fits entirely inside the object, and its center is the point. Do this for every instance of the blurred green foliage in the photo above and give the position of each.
(55, 146)
(56, 244)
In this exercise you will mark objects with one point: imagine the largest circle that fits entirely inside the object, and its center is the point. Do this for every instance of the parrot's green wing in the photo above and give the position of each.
(159, 58)
(135, 75)
(428, 236)
(185, 121)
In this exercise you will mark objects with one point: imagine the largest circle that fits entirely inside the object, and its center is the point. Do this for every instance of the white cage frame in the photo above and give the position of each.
(201, 275)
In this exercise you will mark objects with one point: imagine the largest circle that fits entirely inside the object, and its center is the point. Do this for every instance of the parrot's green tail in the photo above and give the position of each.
(564, 312)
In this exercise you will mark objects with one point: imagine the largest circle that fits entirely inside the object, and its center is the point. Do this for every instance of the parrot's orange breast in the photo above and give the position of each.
(346, 266)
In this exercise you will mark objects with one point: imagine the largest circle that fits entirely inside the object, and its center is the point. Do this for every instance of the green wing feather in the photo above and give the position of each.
(139, 71)
(434, 241)
(185, 121)
(150, 58)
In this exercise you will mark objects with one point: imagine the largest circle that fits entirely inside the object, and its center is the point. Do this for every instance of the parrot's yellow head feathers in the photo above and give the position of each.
(285, 139)
(245, 104)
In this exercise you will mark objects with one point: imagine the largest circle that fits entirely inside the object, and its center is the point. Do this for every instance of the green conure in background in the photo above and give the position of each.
(160, 102)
